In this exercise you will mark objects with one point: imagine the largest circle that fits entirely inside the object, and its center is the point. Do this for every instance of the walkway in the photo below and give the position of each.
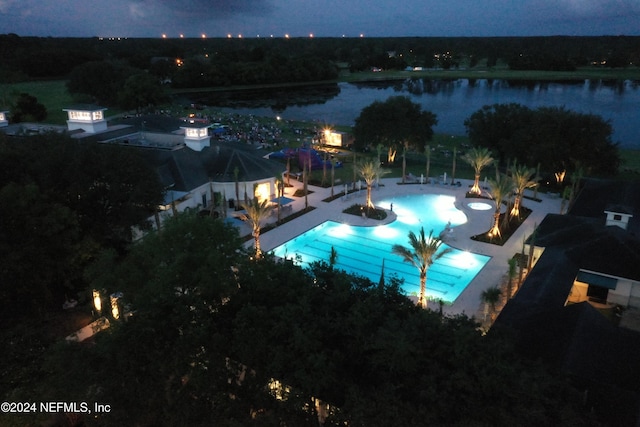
(469, 301)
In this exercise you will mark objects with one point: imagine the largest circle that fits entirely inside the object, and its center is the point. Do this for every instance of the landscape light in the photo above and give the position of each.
(97, 302)
(115, 307)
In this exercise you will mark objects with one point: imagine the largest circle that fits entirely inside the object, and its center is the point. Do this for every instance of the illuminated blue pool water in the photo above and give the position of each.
(361, 250)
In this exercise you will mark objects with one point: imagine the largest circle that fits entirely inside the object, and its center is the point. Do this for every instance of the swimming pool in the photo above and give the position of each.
(361, 250)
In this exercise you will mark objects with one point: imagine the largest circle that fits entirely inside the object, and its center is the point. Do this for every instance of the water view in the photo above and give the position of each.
(451, 100)
(363, 250)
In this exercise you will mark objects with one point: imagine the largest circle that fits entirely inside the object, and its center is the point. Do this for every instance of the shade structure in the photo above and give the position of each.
(282, 200)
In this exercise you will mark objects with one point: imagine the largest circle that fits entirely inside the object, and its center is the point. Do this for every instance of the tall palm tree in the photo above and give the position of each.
(333, 174)
(256, 214)
(499, 190)
(427, 153)
(513, 264)
(523, 178)
(490, 297)
(370, 171)
(236, 172)
(405, 148)
(422, 254)
(453, 168)
(279, 181)
(478, 158)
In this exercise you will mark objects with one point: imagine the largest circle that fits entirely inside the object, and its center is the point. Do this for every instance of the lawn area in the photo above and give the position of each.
(52, 94)
(630, 167)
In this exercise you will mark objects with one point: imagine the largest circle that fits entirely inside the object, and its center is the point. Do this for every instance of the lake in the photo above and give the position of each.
(452, 101)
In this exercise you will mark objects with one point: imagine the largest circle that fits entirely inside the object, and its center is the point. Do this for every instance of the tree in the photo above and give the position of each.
(557, 138)
(370, 171)
(490, 297)
(27, 109)
(257, 213)
(422, 254)
(175, 282)
(393, 122)
(522, 178)
(333, 174)
(513, 263)
(500, 190)
(62, 202)
(38, 245)
(497, 127)
(427, 153)
(478, 158)
(101, 81)
(141, 91)
(211, 331)
(279, 181)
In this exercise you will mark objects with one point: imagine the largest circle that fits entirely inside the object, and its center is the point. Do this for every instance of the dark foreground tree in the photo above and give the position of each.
(26, 108)
(215, 339)
(60, 202)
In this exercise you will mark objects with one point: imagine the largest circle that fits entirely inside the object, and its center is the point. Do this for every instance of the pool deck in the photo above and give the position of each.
(469, 301)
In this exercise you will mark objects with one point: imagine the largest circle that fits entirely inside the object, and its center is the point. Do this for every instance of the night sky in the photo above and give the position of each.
(321, 18)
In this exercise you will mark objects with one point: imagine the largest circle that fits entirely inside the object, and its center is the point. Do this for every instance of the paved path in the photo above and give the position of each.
(478, 221)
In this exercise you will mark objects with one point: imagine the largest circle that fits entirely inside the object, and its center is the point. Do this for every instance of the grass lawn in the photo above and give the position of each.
(630, 167)
(52, 94)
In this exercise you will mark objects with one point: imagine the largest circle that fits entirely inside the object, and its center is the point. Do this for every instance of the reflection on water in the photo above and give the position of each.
(453, 100)
(278, 99)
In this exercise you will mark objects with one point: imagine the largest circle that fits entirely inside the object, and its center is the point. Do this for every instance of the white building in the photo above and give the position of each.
(89, 118)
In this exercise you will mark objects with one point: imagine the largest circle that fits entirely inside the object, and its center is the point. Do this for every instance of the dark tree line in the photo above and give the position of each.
(61, 202)
(33, 57)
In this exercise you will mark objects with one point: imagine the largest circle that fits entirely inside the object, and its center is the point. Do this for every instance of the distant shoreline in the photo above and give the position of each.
(586, 73)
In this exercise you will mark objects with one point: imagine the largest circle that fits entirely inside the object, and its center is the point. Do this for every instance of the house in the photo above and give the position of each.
(197, 173)
(4, 121)
(584, 283)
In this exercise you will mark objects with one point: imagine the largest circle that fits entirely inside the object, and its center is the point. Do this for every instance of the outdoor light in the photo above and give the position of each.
(115, 309)
(97, 302)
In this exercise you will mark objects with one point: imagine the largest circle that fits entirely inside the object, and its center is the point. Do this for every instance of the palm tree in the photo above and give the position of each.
(333, 174)
(478, 158)
(427, 153)
(405, 147)
(522, 178)
(422, 254)
(370, 171)
(513, 264)
(499, 190)
(279, 181)
(490, 297)
(256, 213)
(453, 168)
(236, 172)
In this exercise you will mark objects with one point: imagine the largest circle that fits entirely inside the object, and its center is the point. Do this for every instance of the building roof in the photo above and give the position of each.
(577, 338)
(185, 169)
(599, 195)
(85, 107)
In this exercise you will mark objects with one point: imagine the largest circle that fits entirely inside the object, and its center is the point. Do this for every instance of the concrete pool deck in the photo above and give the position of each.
(479, 221)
